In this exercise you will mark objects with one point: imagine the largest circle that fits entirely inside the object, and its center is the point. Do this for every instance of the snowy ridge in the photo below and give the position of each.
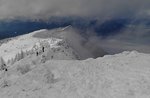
(58, 72)
(47, 43)
(25, 43)
(76, 46)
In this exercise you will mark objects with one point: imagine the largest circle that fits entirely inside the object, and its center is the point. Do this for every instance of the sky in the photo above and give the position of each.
(42, 9)
(127, 39)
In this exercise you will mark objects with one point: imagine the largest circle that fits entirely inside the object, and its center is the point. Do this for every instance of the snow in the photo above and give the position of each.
(124, 75)
(56, 73)
(25, 43)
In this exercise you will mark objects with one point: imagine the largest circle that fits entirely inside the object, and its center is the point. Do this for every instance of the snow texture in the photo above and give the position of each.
(58, 72)
(124, 75)
(25, 43)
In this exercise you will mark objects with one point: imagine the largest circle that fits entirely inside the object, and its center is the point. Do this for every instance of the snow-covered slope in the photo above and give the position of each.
(25, 43)
(83, 46)
(34, 42)
(58, 73)
(124, 75)
(28, 43)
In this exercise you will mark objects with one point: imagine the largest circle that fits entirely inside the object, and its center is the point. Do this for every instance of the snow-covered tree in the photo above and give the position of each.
(22, 55)
(2, 62)
(19, 56)
(12, 61)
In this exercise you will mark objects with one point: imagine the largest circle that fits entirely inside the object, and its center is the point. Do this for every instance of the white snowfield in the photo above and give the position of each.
(125, 75)
(56, 72)
(25, 43)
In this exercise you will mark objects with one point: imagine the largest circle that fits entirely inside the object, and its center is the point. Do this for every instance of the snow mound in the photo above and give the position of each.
(124, 75)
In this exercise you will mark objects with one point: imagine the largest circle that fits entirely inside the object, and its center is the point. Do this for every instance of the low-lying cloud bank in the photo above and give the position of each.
(42, 9)
(131, 37)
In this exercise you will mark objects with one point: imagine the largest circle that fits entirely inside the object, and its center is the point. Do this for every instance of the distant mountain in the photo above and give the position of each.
(11, 28)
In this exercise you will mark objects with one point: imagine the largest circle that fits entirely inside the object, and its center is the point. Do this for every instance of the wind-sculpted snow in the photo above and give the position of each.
(124, 75)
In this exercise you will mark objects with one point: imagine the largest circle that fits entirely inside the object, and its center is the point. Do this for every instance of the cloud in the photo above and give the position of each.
(83, 47)
(92, 8)
(133, 37)
(125, 40)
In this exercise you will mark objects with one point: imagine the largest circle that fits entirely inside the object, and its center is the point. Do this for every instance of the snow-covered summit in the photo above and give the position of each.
(34, 42)
(25, 43)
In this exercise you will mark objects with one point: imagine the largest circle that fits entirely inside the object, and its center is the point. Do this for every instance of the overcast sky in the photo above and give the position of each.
(43, 9)
(90, 8)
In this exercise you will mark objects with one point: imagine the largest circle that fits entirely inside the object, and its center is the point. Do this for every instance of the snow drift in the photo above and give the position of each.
(124, 75)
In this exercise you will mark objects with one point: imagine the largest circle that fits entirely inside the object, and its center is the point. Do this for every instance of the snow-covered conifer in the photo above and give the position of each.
(2, 62)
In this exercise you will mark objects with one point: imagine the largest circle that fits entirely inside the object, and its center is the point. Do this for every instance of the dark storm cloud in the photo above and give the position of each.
(46, 8)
